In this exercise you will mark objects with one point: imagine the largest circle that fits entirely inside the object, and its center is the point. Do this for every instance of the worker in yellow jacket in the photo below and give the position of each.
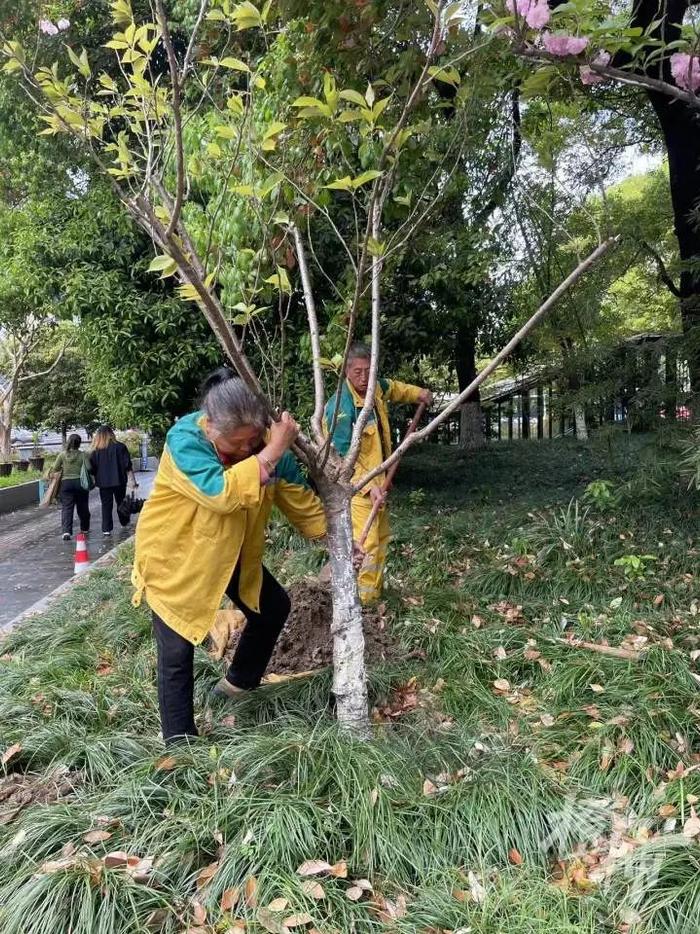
(201, 535)
(375, 447)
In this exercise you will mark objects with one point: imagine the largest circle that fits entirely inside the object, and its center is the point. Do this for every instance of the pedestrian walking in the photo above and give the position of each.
(201, 535)
(72, 464)
(112, 468)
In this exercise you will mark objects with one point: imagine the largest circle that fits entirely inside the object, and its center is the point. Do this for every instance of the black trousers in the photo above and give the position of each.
(111, 496)
(73, 496)
(255, 647)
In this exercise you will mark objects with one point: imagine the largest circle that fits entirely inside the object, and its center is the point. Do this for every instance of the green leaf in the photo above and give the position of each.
(353, 96)
(375, 247)
(163, 264)
(370, 95)
(366, 177)
(349, 116)
(341, 184)
(445, 74)
(235, 105)
(225, 131)
(235, 64)
(246, 190)
(280, 280)
(309, 102)
(214, 150)
(216, 16)
(274, 129)
(246, 16)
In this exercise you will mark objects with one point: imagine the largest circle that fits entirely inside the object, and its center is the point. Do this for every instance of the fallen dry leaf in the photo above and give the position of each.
(271, 924)
(547, 719)
(429, 788)
(207, 874)
(501, 684)
(313, 867)
(277, 904)
(668, 810)
(165, 763)
(230, 899)
(364, 884)
(500, 653)
(251, 892)
(514, 857)
(313, 889)
(10, 753)
(354, 893)
(199, 912)
(340, 870)
(691, 828)
(300, 920)
(597, 688)
(97, 836)
(116, 859)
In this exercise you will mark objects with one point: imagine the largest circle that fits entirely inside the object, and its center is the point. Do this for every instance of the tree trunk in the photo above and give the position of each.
(6, 412)
(680, 125)
(580, 421)
(64, 433)
(349, 676)
(471, 432)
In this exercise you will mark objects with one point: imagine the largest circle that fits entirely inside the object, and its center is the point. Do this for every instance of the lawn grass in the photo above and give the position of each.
(516, 782)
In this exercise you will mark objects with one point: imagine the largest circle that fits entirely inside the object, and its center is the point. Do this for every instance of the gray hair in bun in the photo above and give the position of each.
(229, 404)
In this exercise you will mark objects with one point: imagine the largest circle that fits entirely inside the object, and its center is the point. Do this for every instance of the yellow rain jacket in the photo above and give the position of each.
(201, 518)
(375, 444)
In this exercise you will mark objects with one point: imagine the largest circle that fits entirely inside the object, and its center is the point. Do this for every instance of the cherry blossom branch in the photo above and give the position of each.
(532, 323)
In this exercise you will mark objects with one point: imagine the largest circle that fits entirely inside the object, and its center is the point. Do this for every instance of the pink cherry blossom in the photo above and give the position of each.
(535, 12)
(564, 45)
(686, 71)
(63, 24)
(590, 77)
(47, 27)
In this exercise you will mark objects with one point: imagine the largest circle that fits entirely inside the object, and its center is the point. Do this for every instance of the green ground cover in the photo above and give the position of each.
(19, 476)
(519, 781)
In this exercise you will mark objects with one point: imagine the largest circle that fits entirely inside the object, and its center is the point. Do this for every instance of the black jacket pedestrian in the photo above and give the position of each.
(111, 465)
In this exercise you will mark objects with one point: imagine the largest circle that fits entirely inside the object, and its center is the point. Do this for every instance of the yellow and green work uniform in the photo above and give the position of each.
(202, 520)
(375, 446)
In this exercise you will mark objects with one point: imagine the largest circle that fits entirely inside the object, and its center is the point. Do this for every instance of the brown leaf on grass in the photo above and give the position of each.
(103, 669)
(313, 867)
(429, 788)
(546, 719)
(165, 763)
(606, 757)
(354, 893)
(251, 892)
(277, 904)
(597, 688)
(374, 796)
(501, 685)
(116, 860)
(500, 653)
(461, 895)
(238, 928)
(230, 899)
(10, 753)
(271, 924)
(199, 912)
(515, 857)
(229, 720)
(667, 810)
(297, 921)
(531, 655)
(97, 836)
(658, 599)
(691, 828)
(340, 870)
(313, 889)
(205, 876)
(363, 884)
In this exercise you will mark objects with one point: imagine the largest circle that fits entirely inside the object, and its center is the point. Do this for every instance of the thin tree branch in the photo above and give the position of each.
(664, 274)
(319, 391)
(177, 118)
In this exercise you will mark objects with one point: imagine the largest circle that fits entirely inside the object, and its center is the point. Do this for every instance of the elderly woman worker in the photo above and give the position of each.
(202, 535)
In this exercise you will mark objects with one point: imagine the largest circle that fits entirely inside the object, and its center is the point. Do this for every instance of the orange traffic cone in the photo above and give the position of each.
(82, 558)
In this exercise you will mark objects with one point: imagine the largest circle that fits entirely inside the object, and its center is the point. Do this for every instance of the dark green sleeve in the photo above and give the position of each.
(342, 434)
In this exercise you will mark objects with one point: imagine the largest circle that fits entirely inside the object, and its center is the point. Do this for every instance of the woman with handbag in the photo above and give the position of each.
(112, 467)
(75, 471)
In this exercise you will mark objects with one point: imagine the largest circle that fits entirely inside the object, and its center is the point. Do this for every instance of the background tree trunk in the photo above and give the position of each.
(471, 432)
(580, 421)
(6, 410)
(349, 675)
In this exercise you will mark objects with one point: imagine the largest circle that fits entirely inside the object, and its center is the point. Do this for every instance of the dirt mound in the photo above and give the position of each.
(306, 643)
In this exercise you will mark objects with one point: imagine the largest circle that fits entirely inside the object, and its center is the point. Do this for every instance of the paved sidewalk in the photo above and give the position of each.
(33, 558)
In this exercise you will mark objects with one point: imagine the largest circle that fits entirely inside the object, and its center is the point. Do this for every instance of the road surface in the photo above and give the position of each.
(33, 558)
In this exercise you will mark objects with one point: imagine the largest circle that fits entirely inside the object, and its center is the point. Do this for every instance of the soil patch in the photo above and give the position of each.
(305, 643)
